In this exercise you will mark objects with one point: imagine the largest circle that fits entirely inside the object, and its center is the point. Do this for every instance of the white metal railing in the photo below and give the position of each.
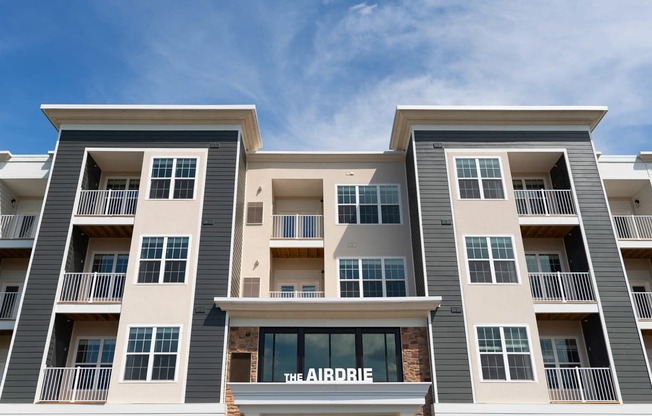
(282, 294)
(297, 226)
(9, 305)
(562, 287)
(633, 227)
(581, 385)
(92, 287)
(107, 203)
(643, 302)
(545, 202)
(17, 226)
(75, 384)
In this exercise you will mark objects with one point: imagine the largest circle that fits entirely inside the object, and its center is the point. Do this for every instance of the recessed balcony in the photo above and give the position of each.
(8, 309)
(581, 385)
(297, 227)
(633, 227)
(643, 304)
(88, 288)
(107, 203)
(545, 202)
(75, 384)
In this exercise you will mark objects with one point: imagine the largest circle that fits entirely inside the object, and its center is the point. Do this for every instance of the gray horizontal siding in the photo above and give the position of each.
(627, 351)
(32, 327)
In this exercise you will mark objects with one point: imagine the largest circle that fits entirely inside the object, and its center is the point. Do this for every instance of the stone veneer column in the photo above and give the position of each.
(241, 339)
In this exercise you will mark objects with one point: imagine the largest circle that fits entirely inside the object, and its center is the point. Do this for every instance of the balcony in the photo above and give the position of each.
(297, 227)
(88, 288)
(107, 203)
(561, 287)
(14, 227)
(9, 305)
(75, 384)
(633, 227)
(581, 385)
(545, 202)
(296, 294)
(643, 303)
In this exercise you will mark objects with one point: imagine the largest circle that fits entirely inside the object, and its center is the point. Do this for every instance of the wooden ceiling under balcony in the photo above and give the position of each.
(545, 231)
(101, 317)
(297, 252)
(15, 253)
(637, 253)
(562, 316)
(107, 231)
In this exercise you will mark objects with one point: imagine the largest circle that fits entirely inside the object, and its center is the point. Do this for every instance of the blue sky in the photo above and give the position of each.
(328, 74)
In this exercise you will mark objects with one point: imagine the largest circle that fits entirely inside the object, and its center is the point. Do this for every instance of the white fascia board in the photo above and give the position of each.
(184, 409)
(26, 243)
(289, 243)
(641, 244)
(504, 107)
(560, 307)
(549, 220)
(645, 325)
(579, 409)
(8, 325)
(146, 107)
(102, 220)
(91, 308)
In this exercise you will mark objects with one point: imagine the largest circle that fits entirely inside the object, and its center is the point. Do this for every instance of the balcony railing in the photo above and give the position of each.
(17, 226)
(74, 385)
(643, 303)
(633, 227)
(9, 305)
(107, 203)
(303, 295)
(562, 287)
(543, 202)
(297, 227)
(92, 287)
(581, 385)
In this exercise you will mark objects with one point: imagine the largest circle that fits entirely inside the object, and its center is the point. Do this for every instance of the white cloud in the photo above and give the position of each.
(363, 8)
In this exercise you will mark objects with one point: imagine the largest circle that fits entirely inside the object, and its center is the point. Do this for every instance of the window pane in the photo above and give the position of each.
(349, 269)
(466, 168)
(121, 263)
(177, 248)
(149, 271)
(346, 195)
(346, 214)
(342, 351)
(136, 367)
(396, 288)
(285, 355)
(372, 269)
(531, 261)
(469, 189)
(175, 271)
(372, 289)
(516, 339)
(349, 289)
(567, 351)
(162, 168)
(108, 351)
(167, 339)
(152, 248)
(164, 366)
(392, 364)
(186, 168)
(160, 189)
(520, 367)
(550, 263)
(489, 168)
(547, 351)
(389, 194)
(391, 214)
(139, 340)
(505, 272)
(476, 248)
(103, 263)
(184, 188)
(480, 271)
(394, 269)
(317, 351)
(374, 355)
(368, 214)
(493, 367)
(489, 339)
(501, 248)
(368, 194)
(88, 351)
(493, 189)
(268, 357)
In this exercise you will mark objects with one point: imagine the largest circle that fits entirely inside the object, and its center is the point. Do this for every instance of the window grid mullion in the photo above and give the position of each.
(378, 205)
(508, 376)
(173, 177)
(357, 207)
(360, 278)
(162, 271)
(383, 281)
(479, 178)
(492, 266)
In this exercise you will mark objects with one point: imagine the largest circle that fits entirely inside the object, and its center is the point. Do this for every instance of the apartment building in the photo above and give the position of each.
(160, 262)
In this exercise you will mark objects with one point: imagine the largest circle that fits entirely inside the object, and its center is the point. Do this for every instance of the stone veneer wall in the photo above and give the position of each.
(416, 360)
(241, 339)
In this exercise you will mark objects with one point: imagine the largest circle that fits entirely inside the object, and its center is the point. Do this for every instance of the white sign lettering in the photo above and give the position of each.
(348, 375)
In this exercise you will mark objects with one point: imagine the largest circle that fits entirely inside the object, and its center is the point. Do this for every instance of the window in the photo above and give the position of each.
(255, 213)
(560, 353)
(379, 277)
(368, 204)
(479, 178)
(291, 350)
(177, 175)
(155, 268)
(497, 265)
(504, 353)
(147, 360)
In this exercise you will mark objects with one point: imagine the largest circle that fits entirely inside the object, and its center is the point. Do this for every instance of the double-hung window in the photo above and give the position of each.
(163, 260)
(368, 204)
(479, 178)
(152, 353)
(375, 277)
(491, 260)
(504, 353)
(173, 178)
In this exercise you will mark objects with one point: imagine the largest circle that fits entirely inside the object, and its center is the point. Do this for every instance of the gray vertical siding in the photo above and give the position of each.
(207, 338)
(626, 348)
(448, 331)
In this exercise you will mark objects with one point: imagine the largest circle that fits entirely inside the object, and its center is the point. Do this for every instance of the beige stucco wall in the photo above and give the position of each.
(495, 304)
(13, 271)
(352, 240)
(167, 304)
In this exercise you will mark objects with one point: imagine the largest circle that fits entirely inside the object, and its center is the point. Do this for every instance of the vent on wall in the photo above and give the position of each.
(254, 213)
(251, 287)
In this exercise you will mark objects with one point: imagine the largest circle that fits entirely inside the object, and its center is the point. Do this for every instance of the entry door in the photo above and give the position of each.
(545, 283)
(300, 283)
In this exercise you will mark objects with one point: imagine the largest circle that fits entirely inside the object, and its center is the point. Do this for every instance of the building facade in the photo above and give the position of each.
(490, 262)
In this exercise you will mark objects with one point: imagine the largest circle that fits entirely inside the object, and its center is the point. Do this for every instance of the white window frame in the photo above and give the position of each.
(163, 259)
(173, 178)
(361, 280)
(562, 259)
(98, 364)
(553, 339)
(378, 204)
(504, 353)
(491, 261)
(129, 178)
(151, 353)
(91, 260)
(479, 178)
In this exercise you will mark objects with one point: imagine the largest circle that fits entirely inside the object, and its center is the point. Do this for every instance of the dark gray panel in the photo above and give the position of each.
(626, 348)
(31, 332)
(449, 334)
(239, 223)
(204, 380)
(414, 214)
